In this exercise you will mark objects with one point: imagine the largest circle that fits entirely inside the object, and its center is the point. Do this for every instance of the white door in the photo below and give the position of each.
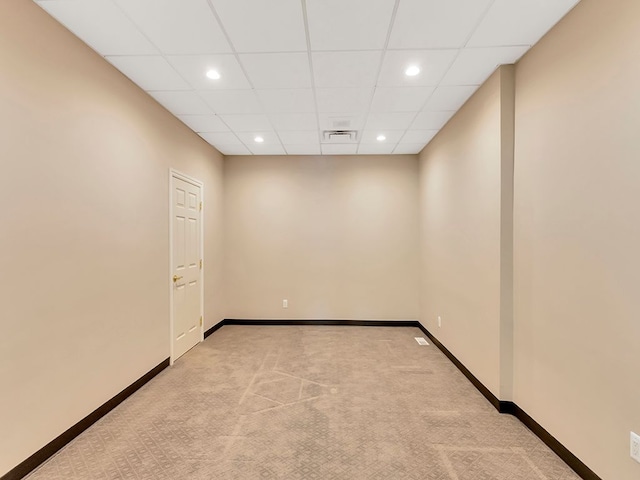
(186, 256)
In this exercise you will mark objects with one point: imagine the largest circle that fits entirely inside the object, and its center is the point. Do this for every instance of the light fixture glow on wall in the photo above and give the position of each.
(412, 71)
(213, 74)
(381, 138)
(258, 139)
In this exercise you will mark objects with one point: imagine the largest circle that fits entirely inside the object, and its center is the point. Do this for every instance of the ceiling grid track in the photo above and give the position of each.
(161, 54)
(313, 82)
(288, 70)
(473, 30)
(384, 52)
(235, 54)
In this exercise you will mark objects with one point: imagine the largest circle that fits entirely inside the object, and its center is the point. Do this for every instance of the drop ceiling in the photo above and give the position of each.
(291, 69)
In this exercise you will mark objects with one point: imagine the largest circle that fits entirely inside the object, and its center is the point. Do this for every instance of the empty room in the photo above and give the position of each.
(320, 239)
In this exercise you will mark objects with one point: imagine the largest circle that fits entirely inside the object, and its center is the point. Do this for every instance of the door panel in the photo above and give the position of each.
(186, 255)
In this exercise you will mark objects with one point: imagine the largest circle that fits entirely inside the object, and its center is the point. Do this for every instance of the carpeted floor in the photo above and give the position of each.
(310, 402)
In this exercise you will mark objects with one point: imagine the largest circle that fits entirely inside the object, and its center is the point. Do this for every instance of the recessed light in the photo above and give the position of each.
(412, 71)
(213, 74)
(381, 138)
(258, 139)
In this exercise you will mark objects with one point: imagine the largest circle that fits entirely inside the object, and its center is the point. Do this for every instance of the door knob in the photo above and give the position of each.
(176, 278)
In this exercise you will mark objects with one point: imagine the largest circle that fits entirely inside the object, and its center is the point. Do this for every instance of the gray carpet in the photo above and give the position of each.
(308, 403)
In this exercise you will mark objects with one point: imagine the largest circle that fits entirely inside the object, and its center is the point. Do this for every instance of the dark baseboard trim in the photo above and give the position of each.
(465, 371)
(46, 452)
(348, 323)
(569, 458)
(283, 322)
(505, 407)
(214, 328)
(511, 408)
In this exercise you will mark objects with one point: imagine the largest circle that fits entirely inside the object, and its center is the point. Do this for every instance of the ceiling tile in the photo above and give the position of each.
(418, 136)
(94, 21)
(232, 101)
(390, 121)
(371, 136)
(352, 25)
(204, 123)
(299, 137)
(302, 149)
(221, 138)
(182, 103)
(277, 70)
(232, 149)
(263, 26)
(167, 46)
(298, 100)
(195, 67)
(341, 99)
(449, 98)
(431, 120)
(376, 148)
(262, 149)
(247, 123)
(342, 121)
(149, 72)
(436, 23)
(400, 99)
(474, 65)
(345, 69)
(178, 26)
(408, 148)
(293, 121)
(519, 22)
(433, 65)
(269, 137)
(334, 149)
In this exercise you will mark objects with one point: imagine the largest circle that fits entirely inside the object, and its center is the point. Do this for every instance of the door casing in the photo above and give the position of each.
(186, 178)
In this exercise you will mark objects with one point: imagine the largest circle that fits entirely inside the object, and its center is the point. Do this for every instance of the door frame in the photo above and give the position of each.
(185, 178)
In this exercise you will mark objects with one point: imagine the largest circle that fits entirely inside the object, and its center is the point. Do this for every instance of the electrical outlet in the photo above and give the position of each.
(635, 447)
(439, 321)
(285, 303)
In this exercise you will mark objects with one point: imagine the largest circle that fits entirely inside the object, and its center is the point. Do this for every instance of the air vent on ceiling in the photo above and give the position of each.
(339, 136)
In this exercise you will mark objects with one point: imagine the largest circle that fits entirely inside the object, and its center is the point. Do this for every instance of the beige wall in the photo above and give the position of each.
(575, 332)
(460, 201)
(84, 281)
(84, 185)
(577, 232)
(335, 236)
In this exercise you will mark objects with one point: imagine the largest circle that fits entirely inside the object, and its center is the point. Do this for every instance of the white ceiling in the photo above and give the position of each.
(290, 69)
